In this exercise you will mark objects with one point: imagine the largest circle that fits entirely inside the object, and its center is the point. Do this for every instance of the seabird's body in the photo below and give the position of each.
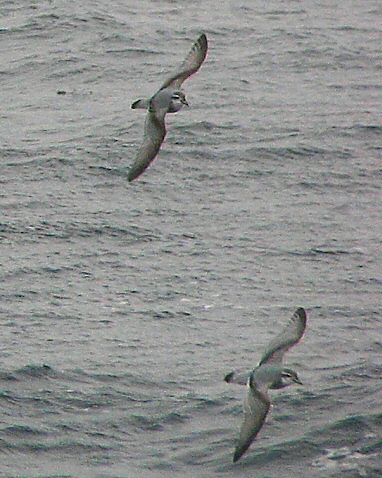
(169, 99)
(269, 374)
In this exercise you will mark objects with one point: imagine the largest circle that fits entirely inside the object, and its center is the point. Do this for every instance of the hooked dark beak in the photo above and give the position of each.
(184, 102)
(297, 380)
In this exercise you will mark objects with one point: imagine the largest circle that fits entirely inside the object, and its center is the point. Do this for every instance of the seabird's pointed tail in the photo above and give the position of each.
(140, 104)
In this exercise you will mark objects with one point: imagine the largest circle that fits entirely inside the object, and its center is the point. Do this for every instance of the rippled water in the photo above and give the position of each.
(124, 305)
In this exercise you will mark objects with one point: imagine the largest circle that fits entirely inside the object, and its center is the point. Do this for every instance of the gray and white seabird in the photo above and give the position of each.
(169, 99)
(269, 374)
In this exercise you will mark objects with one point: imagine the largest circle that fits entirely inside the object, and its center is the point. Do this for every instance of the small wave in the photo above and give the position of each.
(72, 230)
(35, 371)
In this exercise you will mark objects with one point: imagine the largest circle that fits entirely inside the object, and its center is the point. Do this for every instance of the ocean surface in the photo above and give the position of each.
(124, 305)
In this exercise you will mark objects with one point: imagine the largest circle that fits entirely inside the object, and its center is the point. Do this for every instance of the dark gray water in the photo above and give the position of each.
(124, 305)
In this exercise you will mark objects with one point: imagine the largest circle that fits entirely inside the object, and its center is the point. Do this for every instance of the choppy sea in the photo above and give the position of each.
(124, 305)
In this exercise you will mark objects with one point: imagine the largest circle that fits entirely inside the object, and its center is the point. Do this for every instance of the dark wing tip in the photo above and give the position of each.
(202, 43)
(229, 376)
(301, 312)
(202, 40)
(239, 452)
(135, 172)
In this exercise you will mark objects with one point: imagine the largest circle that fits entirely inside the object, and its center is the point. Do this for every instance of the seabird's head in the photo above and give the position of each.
(289, 376)
(178, 100)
